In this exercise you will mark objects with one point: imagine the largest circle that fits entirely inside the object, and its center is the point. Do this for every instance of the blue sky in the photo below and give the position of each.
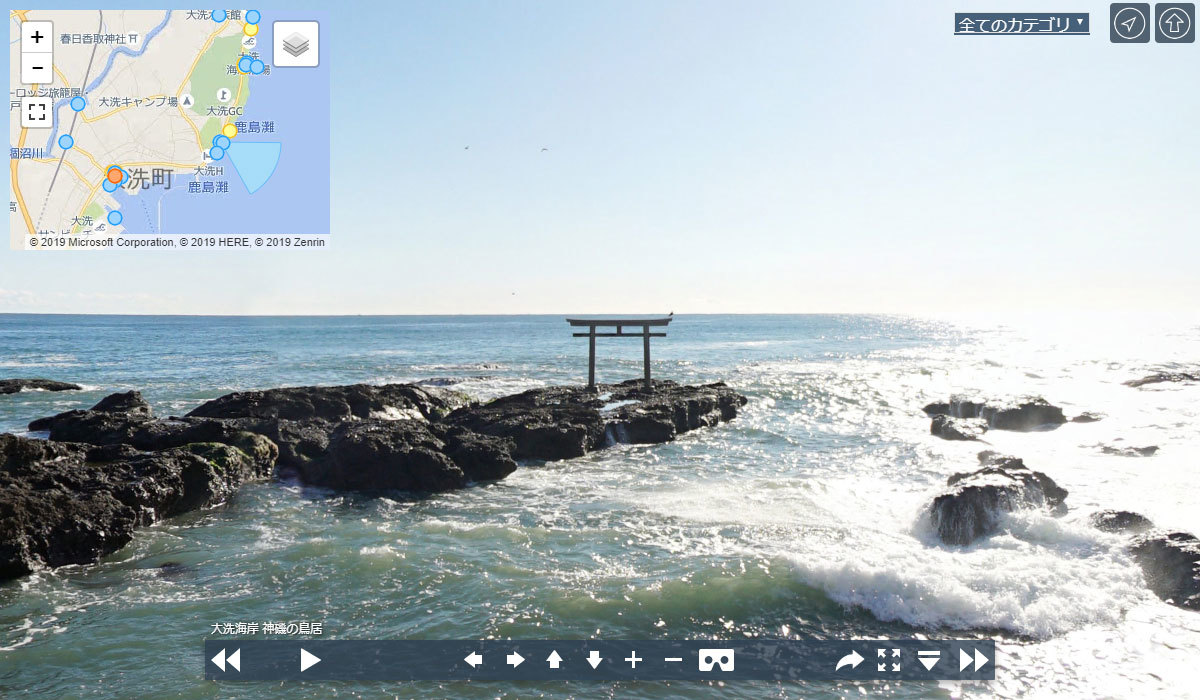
(711, 157)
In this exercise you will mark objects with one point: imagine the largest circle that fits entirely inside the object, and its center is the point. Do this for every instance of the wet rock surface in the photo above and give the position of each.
(1121, 521)
(564, 422)
(13, 386)
(1129, 450)
(114, 467)
(1171, 564)
(949, 428)
(1164, 377)
(333, 403)
(974, 503)
(1024, 415)
(66, 503)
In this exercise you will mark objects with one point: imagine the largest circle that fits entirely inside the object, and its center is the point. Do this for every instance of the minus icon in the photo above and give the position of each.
(673, 658)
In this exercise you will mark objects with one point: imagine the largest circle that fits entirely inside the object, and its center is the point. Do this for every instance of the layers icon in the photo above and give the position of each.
(295, 44)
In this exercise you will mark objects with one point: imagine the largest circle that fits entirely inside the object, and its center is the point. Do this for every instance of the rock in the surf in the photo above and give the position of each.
(375, 455)
(1129, 450)
(1024, 415)
(1121, 521)
(1163, 377)
(333, 403)
(949, 428)
(975, 502)
(570, 421)
(1171, 564)
(13, 386)
(65, 503)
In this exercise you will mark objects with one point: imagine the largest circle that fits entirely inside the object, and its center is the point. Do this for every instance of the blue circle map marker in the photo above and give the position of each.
(78, 103)
(216, 153)
(221, 141)
(110, 186)
(65, 141)
(257, 67)
(218, 15)
(253, 16)
(115, 218)
(244, 64)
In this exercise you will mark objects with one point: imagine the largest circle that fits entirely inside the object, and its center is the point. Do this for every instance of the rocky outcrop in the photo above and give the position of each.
(1162, 377)
(332, 403)
(405, 455)
(975, 502)
(1088, 417)
(949, 428)
(1130, 451)
(565, 422)
(1121, 521)
(1170, 561)
(126, 419)
(65, 503)
(1025, 415)
(13, 386)
(114, 467)
(1171, 564)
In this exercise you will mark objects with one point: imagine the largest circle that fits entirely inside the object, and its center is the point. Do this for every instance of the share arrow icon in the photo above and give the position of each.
(853, 659)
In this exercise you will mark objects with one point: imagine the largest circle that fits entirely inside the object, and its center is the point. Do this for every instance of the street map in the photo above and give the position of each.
(167, 123)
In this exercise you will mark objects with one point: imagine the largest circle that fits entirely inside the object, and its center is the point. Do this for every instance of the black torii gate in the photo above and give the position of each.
(620, 324)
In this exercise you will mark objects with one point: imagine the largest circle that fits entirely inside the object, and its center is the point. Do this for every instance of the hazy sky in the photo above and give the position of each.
(711, 157)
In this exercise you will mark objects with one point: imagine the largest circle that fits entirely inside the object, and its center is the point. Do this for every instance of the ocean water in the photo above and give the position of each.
(801, 517)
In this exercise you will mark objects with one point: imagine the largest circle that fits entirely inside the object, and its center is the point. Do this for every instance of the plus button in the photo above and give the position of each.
(37, 36)
(633, 659)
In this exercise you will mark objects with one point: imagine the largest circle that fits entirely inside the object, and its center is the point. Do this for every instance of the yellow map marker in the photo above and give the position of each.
(250, 29)
(229, 130)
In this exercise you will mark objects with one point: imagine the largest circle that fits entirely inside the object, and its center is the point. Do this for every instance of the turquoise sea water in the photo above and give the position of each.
(801, 517)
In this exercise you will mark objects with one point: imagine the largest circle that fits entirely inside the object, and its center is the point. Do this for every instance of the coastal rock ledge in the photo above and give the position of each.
(15, 386)
(109, 469)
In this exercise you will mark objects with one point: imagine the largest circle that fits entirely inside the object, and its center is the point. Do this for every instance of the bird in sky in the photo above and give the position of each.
(544, 149)
(466, 148)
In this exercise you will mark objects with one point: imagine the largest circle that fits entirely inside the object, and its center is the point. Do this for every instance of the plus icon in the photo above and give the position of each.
(37, 36)
(633, 659)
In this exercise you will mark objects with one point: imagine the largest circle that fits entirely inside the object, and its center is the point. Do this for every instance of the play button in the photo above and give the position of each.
(308, 660)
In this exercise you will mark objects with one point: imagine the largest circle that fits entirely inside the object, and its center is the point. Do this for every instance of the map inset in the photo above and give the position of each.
(168, 122)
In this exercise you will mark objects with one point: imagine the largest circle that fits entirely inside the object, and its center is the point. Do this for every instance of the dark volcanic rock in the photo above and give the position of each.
(1171, 565)
(1087, 417)
(332, 403)
(1147, 451)
(564, 422)
(12, 386)
(949, 428)
(372, 455)
(1029, 414)
(973, 505)
(481, 457)
(1121, 521)
(1161, 377)
(108, 422)
(63, 503)
(126, 419)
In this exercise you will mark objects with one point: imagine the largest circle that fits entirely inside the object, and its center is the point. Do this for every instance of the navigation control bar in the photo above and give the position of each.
(544, 659)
